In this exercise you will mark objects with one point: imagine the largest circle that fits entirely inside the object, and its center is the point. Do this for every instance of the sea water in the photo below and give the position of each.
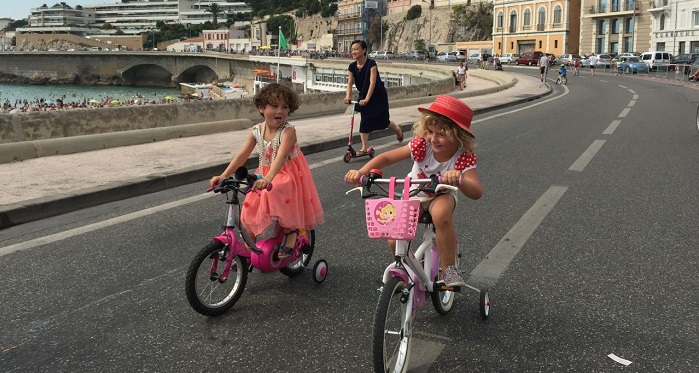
(79, 93)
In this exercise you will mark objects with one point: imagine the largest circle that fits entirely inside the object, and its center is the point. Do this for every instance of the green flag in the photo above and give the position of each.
(282, 41)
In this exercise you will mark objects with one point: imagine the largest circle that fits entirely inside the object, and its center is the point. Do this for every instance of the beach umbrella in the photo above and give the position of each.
(49, 102)
(94, 101)
(114, 102)
(264, 47)
(169, 98)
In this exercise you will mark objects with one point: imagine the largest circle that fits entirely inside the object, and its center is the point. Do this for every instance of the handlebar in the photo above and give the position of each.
(431, 185)
(241, 181)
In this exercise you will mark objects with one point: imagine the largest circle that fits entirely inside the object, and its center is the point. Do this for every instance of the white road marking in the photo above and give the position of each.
(103, 224)
(612, 127)
(624, 112)
(632, 103)
(498, 259)
(586, 157)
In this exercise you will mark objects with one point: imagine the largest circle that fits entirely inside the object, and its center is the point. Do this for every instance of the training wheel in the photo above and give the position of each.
(347, 157)
(320, 271)
(484, 304)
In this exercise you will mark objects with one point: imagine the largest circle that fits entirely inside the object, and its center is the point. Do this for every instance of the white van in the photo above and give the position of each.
(655, 58)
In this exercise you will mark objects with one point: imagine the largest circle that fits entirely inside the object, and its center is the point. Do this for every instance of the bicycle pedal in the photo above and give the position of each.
(440, 286)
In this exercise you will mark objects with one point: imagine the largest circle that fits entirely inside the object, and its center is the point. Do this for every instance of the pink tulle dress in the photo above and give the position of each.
(293, 201)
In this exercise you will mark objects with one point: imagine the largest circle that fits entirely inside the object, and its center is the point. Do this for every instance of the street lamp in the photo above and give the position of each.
(431, 2)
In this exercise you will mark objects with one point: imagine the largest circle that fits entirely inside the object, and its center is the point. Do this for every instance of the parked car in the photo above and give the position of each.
(415, 55)
(686, 59)
(655, 58)
(566, 59)
(460, 55)
(446, 57)
(509, 58)
(604, 61)
(382, 55)
(633, 65)
(529, 58)
(475, 57)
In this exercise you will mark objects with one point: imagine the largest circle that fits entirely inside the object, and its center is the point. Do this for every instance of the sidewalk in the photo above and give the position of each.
(38, 188)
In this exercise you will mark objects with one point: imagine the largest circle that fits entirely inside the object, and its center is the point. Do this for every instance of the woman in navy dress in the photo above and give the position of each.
(373, 99)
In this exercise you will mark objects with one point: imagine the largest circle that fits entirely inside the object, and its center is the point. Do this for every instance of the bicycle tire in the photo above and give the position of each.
(697, 118)
(442, 300)
(392, 333)
(205, 293)
(295, 268)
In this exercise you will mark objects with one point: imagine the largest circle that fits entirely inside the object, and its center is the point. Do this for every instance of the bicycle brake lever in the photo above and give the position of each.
(353, 189)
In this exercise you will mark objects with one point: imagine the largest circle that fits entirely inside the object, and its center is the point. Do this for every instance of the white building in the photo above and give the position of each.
(226, 40)
(4, 22)
(675, 26)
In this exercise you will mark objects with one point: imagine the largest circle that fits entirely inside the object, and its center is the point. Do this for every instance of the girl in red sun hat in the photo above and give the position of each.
(443, 146)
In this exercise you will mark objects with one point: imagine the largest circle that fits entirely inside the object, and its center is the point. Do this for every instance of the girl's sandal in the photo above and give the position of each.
(285, 251)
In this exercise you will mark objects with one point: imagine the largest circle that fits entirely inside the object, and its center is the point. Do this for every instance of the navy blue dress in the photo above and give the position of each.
(375, 113)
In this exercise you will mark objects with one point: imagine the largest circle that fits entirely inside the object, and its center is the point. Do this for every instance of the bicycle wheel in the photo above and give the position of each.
(698, 118)
(296, 267)
(443, 300)
(206, 292)
(392, 332)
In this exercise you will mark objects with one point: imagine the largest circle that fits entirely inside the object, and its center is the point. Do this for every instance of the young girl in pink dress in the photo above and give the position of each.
(443, 146)
(293, 202)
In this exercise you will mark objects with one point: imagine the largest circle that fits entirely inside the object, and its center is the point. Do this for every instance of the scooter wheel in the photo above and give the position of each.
(372, 153)
(347, 157)
(320, 271)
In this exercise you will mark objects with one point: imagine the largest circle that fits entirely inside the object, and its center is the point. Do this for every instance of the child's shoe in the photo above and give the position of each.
(452, 277)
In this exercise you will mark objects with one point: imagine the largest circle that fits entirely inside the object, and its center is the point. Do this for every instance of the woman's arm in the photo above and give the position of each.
(348, 91)
(372, 83)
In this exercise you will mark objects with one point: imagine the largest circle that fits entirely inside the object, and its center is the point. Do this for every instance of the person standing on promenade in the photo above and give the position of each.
(373, 98)
(593, 64)
(543, 66)
(461, 72)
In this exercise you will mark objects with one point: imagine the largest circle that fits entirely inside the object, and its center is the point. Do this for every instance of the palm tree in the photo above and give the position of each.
(214, 9)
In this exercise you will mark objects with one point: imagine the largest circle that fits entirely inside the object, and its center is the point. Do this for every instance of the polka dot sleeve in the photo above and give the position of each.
(418, 149)
(466, 162)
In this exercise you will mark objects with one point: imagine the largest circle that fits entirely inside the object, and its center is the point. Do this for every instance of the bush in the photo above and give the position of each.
(414, 12)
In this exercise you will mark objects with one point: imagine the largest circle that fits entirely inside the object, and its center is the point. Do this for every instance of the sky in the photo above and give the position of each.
(19, 9)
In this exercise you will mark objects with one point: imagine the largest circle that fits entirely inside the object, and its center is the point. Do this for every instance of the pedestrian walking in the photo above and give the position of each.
(461, 74)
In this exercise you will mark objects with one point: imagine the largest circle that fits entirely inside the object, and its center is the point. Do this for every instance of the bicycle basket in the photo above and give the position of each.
(389, 218)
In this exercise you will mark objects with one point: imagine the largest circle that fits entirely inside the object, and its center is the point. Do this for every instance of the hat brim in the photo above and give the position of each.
(461, 125)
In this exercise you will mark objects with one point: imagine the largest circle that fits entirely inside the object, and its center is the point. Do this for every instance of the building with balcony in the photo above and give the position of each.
(675, 26)
(353, 20)
(615, 26)
(532, 25)
(59, 18)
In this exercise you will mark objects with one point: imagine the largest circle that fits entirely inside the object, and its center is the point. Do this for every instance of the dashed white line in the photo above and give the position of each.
(624, 112)
(586, 157)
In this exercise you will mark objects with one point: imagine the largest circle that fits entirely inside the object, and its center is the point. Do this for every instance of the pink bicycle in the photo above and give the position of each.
(217, 275)
(415, 275)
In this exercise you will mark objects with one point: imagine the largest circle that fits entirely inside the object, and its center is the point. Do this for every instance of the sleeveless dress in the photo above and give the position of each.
(293, 201)
(375, 113)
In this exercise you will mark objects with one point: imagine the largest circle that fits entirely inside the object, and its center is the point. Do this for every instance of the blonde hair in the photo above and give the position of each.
(451, 130)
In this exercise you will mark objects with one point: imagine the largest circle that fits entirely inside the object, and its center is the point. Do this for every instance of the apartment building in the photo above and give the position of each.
(534, 25)
(59, 18)
(675, 26)
(615, 26)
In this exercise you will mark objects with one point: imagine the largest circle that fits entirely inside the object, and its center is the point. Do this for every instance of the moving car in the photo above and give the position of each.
(633, 65)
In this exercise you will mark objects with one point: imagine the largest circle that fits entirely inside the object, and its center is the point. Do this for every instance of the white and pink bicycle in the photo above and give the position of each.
(217, 275)
(415, 275)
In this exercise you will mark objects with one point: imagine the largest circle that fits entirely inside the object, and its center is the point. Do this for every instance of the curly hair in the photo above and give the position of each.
(274, 93)
(451, 130)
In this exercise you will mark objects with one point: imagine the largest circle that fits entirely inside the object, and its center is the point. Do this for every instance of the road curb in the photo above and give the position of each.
(46, 207)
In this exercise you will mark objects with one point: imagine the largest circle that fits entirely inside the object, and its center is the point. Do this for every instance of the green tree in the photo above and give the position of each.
(214, 9)
(287, 24)
(16, 24)
(107, 26)
(419, 44)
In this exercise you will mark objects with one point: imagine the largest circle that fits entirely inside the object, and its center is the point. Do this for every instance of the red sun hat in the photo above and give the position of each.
(452, 108)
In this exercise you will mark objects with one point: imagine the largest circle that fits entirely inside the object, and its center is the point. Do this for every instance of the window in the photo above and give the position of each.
(614, 47)
(500, 19)
(513, 21)
(628, 26)
(599, 45)
(661, 24)
(628, 44)
(527, 21)
(541, 21)
(616, 5)
(557, 14)
(602, 27)
(659, 46)
(602, 6)
(555, 43)
(615, 26)
(695, 18)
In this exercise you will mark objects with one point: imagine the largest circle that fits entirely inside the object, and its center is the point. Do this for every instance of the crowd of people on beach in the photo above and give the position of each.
(69, 103)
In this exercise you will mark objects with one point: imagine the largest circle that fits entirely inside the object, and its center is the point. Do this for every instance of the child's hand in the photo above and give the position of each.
(215, 181)
(353, 176)
(260, 184)
(451, 177)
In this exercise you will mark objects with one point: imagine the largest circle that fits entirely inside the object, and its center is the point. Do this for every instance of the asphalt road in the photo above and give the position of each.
(586, 238)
